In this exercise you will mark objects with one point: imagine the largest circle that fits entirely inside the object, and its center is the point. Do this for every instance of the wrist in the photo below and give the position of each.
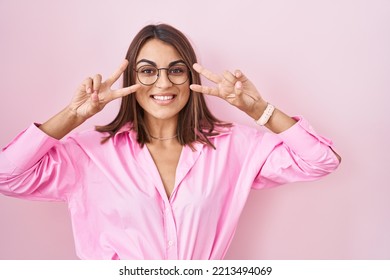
(72, 117)
(62, 123)
(258, 109)
(267, 114)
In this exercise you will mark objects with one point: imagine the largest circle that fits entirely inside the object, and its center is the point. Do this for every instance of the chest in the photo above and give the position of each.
(166, 160)
(138, 184)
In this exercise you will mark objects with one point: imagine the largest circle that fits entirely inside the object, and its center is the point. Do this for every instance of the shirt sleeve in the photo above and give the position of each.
(36, 166)
(297, 154)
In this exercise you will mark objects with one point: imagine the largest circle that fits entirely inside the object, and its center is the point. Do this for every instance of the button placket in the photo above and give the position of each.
(171, 236)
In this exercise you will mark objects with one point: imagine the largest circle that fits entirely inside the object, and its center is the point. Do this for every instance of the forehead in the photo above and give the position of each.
(159, 52)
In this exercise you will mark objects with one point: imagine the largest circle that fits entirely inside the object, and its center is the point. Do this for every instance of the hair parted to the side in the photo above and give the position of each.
(195, 123)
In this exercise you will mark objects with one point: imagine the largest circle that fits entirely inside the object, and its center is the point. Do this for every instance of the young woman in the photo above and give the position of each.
(165, 179)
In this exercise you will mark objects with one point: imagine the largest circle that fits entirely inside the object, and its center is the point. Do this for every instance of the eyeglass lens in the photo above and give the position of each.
(148, 74)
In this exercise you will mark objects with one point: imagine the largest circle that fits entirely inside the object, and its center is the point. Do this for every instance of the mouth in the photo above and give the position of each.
(163, 97)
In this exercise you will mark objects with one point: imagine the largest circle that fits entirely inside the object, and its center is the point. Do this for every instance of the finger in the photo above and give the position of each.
(115, 76)
(206, 73)
(230, 96)
(88, 85)
(95, 103)
(97, 80)
(94, 98)
(238, 88)
(229, 77)
(243, 79)
(240, 76)
(125, 91)
(204, 90)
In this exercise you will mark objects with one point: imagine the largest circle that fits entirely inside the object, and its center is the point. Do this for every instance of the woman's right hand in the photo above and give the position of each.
(90, 98)
(93, 94)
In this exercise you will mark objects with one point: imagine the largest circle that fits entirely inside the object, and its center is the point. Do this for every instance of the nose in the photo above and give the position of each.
(162, 79)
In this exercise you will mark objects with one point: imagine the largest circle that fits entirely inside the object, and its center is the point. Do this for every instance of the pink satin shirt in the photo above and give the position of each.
(117, 202)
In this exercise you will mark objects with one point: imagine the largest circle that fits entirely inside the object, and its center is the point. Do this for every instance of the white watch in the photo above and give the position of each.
(266, 115)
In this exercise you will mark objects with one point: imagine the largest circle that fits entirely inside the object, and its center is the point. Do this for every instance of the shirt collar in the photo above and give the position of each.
(125, 128)
(128, 127)
(222, 131)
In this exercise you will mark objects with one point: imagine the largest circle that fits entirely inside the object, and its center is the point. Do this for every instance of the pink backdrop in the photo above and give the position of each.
(326, 60)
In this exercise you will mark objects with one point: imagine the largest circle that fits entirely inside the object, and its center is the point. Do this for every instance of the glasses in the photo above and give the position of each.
(149, 74)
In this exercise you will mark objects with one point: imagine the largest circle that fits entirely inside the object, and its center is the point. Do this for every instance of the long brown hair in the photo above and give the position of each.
(195, 122)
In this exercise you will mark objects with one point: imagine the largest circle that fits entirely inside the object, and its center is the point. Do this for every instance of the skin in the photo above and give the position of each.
(239, 91)
(161, 119)
(90, 98)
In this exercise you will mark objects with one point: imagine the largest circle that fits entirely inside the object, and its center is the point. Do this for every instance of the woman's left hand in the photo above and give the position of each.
(235, 88)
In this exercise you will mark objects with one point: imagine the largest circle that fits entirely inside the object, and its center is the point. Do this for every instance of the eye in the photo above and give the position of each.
(147, 70)
(178, 70)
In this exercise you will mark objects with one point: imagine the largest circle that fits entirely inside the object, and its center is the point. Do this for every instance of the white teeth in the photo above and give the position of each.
(163, 97)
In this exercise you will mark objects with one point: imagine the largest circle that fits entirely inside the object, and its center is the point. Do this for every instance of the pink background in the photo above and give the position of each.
(326, 60)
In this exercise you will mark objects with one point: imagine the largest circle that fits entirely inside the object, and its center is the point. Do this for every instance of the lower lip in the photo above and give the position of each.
(163, 102)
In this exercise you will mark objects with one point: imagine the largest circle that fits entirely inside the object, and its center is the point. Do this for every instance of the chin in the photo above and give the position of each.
(162, 115)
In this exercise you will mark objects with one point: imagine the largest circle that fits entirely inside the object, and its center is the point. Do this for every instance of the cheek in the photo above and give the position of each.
(140, 94)
(185, 92)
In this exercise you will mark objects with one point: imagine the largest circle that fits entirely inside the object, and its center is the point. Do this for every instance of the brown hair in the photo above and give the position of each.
(195, 122)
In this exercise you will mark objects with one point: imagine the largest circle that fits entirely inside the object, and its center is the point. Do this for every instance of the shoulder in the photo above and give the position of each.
(238, 135)
(239, 130)
(89, 137)
(94, 138)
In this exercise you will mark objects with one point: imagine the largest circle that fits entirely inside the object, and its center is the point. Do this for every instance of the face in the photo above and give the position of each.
(162, 100)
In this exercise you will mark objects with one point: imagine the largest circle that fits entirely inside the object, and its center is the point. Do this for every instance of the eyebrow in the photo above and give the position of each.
(154, 63)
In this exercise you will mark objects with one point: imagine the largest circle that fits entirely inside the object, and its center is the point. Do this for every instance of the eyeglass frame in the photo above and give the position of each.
(152, 64)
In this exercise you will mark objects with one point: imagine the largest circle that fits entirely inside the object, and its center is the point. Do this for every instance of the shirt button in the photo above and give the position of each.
(170, 243)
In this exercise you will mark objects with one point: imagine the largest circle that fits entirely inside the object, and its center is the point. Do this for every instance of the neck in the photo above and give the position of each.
(162, 138)
(162, 130)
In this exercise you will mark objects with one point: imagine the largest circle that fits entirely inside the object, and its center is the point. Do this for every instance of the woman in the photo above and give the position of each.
(165, 179)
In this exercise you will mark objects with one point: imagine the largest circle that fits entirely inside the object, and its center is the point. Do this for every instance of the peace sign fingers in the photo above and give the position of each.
(122, 92)
(94, 94)
(106, 94)
(207, 73)
(235, 88)
(115, 76)
(224, 84)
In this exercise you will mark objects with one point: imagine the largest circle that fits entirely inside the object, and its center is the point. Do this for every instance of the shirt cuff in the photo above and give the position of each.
(304, 140)
(28, 148)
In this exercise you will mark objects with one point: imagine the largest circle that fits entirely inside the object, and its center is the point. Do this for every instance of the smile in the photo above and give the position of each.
(163, 97)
